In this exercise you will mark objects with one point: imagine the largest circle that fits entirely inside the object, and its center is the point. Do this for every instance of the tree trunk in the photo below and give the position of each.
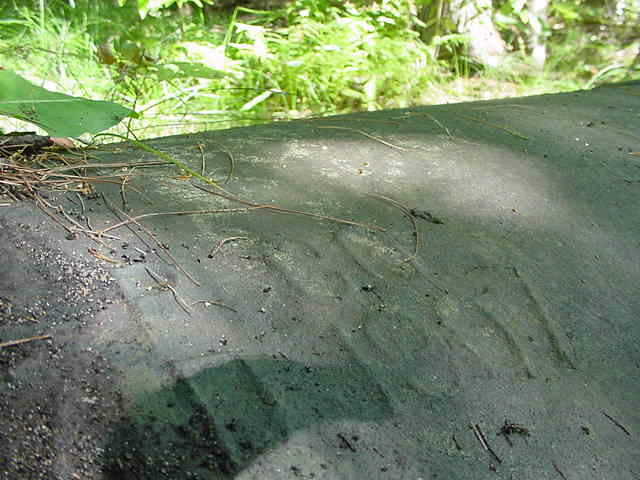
(474, 19)
(538, 17)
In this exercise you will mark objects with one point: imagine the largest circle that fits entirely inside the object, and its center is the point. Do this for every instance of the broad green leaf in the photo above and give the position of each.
(60, 115)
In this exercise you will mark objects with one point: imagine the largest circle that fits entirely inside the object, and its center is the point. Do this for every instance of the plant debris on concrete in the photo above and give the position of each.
(476, 319)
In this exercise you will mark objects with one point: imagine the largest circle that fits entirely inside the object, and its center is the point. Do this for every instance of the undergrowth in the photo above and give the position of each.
(188, 73)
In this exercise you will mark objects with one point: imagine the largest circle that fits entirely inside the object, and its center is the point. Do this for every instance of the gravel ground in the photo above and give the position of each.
(55, 397)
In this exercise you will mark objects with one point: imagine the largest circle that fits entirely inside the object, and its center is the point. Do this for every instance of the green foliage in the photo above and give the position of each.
(514, 19)
(195, 68)
(587, 37)
(146, 7)
(60, 115)
(333, 56)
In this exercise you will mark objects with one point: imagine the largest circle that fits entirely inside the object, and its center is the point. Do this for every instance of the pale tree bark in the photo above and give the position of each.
(474, 19)
(537, 19)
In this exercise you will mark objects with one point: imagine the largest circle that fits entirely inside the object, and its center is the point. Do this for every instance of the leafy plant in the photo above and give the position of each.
(60, 115)
(214, 70)
(331, 54)
(145, 7)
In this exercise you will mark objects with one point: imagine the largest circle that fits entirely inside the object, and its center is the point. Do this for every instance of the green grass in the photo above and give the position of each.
(312, 58)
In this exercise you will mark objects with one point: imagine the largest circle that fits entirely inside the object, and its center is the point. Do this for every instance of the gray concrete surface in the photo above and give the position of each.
(339, 352)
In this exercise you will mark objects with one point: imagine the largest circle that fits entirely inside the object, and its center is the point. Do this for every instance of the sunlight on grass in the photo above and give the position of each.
(309, 58)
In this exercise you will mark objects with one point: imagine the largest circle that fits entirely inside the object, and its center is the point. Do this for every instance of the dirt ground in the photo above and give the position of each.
(463, 304)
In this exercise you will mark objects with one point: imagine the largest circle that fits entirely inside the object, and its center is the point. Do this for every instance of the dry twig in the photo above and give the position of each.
(217, 248)
(483, 441)
(557, 469)
(617, 423)
(493, 125)
(134, 220)
(276, 208)
(368, 135)
(24, 340)
(408, 214)
(165, 285)
(206, 303)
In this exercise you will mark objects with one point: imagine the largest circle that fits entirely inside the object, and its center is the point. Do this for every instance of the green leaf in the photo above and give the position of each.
(60, 115)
